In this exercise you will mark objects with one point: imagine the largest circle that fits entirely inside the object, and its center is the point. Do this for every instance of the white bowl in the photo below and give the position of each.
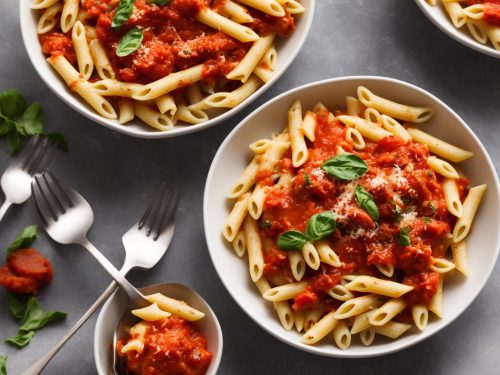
(287, 49)
(115, 306)
(233, 155)
(440, 18)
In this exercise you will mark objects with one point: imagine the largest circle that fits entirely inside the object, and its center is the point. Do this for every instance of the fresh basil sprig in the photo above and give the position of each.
(159, 2)
(307, 179)
(318, 227)
(33, 318)
(366, 202)
(3, 365)
(345, 167)
(18, 121)
(23, 239)
(123, 13)
(130, 42)
(404, 238)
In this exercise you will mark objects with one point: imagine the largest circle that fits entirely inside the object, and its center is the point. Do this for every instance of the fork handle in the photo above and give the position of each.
(39, 365)
(135, 297)
(3, 209)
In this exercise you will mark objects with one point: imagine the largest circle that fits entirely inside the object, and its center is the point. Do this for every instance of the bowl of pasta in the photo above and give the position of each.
(177, 333)
(474, 23)
(348, 217)
(157, 69)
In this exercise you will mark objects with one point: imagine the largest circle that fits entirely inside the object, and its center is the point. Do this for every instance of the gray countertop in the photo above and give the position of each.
(117, 174)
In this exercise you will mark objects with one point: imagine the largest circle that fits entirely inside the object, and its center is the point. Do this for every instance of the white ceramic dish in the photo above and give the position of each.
(287, 49)
(440, 18)
(115, 305)
(234, 154)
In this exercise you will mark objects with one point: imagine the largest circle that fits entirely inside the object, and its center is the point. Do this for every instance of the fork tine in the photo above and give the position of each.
(27, 150)
(47, 151)
(168, 214)
(146, 216)
(41, 201)
(58, 191)
(159, 211)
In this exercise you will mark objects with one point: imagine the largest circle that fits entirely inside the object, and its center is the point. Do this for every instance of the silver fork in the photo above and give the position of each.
(145, 243)
(35, 157)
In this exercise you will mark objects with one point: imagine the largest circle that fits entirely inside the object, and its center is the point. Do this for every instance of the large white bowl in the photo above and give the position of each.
(233, 155)
(440, 18)
(287, 49)
(115, 306)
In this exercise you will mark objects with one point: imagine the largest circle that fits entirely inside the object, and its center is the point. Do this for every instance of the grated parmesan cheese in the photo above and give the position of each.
(407, 219)
(398, 178)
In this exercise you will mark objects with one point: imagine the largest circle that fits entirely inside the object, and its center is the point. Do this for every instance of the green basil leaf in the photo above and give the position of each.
(59, 139)
(21, 339)
(130, 42)
(3, 365)
(307, 179)
(32, 120)
(6, 125)
(36, 318)
(16, 307)
(366, 202)
(12, 104)
(404, 238)
(265, 224)
(321, 225)
(345, 167)
(159, 2)
(23, 239)
(13, 141)
(123, 13)
(291, 240)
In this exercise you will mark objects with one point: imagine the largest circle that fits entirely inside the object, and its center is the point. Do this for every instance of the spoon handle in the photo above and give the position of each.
(39, 365)
(135, 297)
(3, 209)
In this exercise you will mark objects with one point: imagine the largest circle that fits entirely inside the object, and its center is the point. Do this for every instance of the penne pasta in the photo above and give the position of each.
(442, 167)
(271, 7)
(420, 315)
(452, 197)
(152, 118)
(342, 336)
(236, 217)
(470, 206)
(246, 180)
(240, 244)
(284, 292)
(297, 265)
(387, 311)
(151, 313)
(82, 51)
(439, 147)
(300, 153)
(459, 254)
(311, 255)
(254, 249)
(367, 129)
(125, 111)
(369, 284)
(49, 18)
(221, 23)
(357, 306)
(175, 307)
(319, 330)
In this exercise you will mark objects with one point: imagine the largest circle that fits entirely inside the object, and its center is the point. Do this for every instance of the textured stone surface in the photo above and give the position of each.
(117, 173)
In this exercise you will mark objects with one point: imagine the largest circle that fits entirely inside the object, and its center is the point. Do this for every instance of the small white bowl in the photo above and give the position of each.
(440, 18)
(233, 155)
(287, 49)
(115, 306)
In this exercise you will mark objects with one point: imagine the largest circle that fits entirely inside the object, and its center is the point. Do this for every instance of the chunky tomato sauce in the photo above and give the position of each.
(491, 10)
(25, 272)
(173, 39)
(408, 194)
(172, 346)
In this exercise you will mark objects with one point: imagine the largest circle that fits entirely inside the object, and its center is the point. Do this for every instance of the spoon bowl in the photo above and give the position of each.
(115, 307)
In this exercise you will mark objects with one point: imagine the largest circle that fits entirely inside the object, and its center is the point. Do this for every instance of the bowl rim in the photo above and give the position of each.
(212, 246)
(144, 132)
(457, 34)
(216, 359)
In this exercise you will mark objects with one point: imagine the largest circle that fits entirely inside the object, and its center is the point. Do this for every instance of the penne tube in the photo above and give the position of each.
(49, 18)
(311, 255)
(361, 322)
(246, 66)
(299, 319)
(475, 12)
(256, 201)
(342, 336)
(372, 115)
(457, 16)
(341, 293)
(101, 61)
(367, 336)
(292, 6)
(367, 129)
(297, 265)
(271, 7)
(387, 311)
(300, 153)
(216, 21)
(175, 307)
(439, 147)
(270, 59)
(111, 87)
(151, 313)
(470, 206)
(354, 136)
(254, 249)
(312, 316)
(393, 109)
(282, 308)
(493, 33)
(369, 284)
(152, 118)
(166, 103)
(246, 180)
(69, 14)
(308, 126)
(264, 74)
(326, 254)
(358, 306)
(353, 106)
(420, 315)
(260, 146)
(319, 330)
(477, 30)
(42, 4)
(459, 254)
(236, 217)
(239, 243)
(392, 329)
(82, 51)
(441, 265)
(125, 110)
(285, 292)
(452, 197)
(394, 127)
(236, 12)
(233, 98)
(193, 94)
(442, 167)
(190, 115)
(385, 269)
(436, 302)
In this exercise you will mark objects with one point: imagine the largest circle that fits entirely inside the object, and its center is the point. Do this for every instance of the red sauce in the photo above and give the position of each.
(26, 271)
(56, 43)
(172, 346)
(397, 176)
(491, 10)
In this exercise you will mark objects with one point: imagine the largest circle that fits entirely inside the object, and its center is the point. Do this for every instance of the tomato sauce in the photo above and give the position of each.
(25, 272)
(407, 192)
(172, 346)
(57, 43)
(491, 10)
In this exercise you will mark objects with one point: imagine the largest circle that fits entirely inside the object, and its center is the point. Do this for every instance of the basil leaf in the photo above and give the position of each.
(123, 13)
(21, 339)
(130, 42)
(16, 307)
(12, 104)
(60, 140)
(404, 238)
(23, 239)
(345, 167)
(36, 318)
(159, 2)
(307, 179)
(3, 365)
(320, 225)
(366, 202)
(266, 224)
(13, 141)
(6, 125)
(31, 121)
(291, 240)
